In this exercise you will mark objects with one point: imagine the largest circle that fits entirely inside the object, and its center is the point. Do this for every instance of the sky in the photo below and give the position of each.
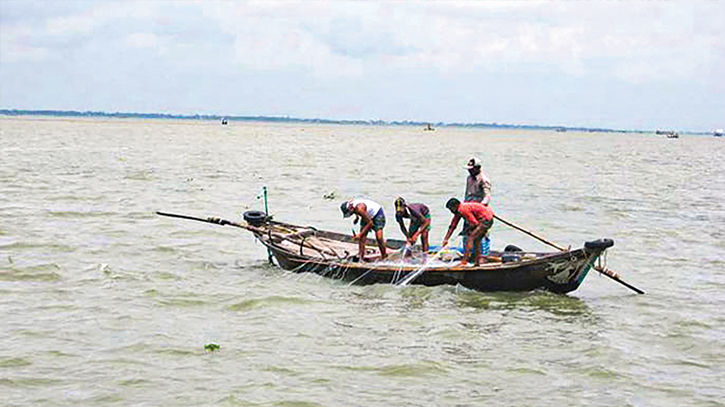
(637, 65)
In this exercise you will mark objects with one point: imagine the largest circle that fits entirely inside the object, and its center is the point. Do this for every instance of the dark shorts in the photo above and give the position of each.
(415, 225)
(486, 224)
(467, 227)
(379, 220)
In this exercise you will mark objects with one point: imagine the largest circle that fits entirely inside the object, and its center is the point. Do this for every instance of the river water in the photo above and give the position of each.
(103, 303)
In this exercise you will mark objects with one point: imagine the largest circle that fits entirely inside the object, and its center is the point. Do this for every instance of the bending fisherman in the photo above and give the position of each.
(419, 216)
(371, 216)
(479, 218)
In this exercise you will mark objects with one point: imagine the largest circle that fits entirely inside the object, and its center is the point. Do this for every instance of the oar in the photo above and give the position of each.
(607, 272)
(224, 222)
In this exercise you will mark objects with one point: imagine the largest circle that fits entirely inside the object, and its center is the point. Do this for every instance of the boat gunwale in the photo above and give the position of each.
(558, 271)
(542, 258)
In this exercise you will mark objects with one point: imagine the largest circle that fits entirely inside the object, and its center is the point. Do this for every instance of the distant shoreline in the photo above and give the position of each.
(163, 116)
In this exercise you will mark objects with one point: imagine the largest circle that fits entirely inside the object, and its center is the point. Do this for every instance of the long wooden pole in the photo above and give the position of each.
(216, 221)
(530, 233)
(614, 276)
(224, 222)
(607, 272)
(266, 212)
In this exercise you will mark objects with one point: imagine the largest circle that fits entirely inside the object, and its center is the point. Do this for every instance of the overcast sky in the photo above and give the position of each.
(613, 64)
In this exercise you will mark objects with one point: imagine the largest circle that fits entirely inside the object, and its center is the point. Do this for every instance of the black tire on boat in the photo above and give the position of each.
(255, 218)
(509, 258)
(599, 244)
(512, 248)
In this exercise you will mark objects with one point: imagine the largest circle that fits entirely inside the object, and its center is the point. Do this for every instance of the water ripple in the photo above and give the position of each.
(103, 303)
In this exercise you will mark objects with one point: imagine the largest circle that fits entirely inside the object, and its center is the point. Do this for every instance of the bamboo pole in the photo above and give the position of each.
(530, 233)
(266, 212)
(607, 272)
(224, 222)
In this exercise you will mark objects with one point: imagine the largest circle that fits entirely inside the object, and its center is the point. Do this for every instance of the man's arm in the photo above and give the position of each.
(402, 226)
(486, 187)
(362, 210)
(451, 228)
(424, 222)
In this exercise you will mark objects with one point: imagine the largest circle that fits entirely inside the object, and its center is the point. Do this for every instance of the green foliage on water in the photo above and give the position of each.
(211, 347)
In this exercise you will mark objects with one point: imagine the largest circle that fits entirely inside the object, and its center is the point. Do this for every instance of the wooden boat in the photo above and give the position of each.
(306, 249)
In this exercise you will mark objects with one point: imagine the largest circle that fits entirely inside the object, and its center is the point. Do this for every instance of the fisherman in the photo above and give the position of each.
(479, 218)
(478, 186)
(478, 189)
(371, 216)
(419, 216)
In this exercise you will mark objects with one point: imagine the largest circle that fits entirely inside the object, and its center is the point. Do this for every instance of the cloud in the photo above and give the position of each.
(369, 48)
(341, 38)
(351, 38)
(16, 45)
(142, 40)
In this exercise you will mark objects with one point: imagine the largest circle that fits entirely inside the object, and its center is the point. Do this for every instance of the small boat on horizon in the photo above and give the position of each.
(668, 133)
(717, 133)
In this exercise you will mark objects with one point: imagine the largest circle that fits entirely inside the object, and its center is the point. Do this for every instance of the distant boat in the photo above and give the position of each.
(717, 133)
(429, 128)
(668, 133)
(224, 121)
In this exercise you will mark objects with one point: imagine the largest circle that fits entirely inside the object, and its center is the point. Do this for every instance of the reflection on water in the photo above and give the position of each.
(535, 301)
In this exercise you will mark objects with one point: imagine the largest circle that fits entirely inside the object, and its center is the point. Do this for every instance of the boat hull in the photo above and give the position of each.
(559, 272)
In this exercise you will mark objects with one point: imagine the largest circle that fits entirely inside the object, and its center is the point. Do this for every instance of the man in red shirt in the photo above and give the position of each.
(480, 220)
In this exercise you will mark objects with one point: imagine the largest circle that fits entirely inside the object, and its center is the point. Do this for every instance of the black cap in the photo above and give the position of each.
(345, 208)
(452, 204)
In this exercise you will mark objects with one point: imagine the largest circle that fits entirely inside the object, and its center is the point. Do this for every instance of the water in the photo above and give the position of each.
(104, 303)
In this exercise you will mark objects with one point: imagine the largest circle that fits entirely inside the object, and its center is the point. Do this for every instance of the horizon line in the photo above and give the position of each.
(288, 119)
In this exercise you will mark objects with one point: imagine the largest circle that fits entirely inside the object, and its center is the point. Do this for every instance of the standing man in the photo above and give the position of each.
(480, 220)
(478, 186)
(478, 189)
(371, 216)
(419, 216)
